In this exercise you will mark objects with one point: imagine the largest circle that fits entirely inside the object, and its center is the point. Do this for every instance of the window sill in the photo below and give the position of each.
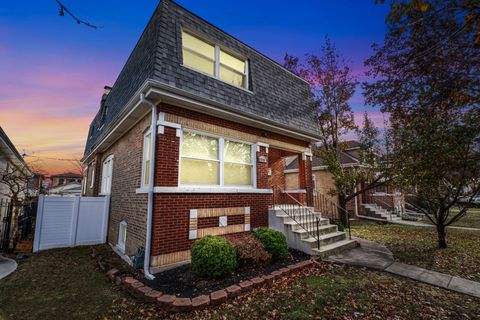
(141, 190)
(295, 191)
(104, 194)
(218, 79)
(210, 190)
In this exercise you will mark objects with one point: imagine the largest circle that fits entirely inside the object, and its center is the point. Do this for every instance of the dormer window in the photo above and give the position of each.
(214, 61)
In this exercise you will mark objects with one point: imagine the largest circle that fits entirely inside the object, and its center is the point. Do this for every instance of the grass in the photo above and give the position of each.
(470, 220)
(63, 284)
(418, 246)
(66, 284)
(330, 292)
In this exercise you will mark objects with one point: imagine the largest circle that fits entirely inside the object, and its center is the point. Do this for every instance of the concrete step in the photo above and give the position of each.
(322, 230)
(335, 248)
(313, 221)
(325, 239)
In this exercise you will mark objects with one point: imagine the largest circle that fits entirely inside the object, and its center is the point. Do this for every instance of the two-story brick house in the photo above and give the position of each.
(191, 138)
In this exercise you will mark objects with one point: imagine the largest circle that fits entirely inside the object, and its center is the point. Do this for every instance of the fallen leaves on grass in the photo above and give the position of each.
(418, 246)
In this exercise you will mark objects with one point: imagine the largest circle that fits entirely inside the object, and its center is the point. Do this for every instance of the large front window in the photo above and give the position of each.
(210, 59)
(215, 161)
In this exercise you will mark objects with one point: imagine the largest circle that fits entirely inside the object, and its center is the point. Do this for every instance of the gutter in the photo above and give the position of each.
(148, 236)
(163, 90)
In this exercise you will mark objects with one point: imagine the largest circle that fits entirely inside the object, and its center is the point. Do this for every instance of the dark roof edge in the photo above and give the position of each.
(9, 144)
(311, 136)
(129, 56)
(234, 38)
(150, 83)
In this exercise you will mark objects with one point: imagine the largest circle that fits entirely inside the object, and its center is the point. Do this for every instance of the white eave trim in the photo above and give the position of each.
(187, 99)
(205, 190)
(169, 92)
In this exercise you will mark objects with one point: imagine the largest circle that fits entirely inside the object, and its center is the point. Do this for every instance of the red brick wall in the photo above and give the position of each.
(172, 215)
(167, 158)
(97, 165)
(228, 124)
(125, 203)
(276, 165)
(262, 170)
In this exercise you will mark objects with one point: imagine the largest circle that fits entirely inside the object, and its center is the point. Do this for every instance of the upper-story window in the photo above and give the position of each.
(214, 61)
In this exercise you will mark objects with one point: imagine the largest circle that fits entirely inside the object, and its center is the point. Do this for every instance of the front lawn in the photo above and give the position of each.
(418, 246)
(470, 220)
(67, 284)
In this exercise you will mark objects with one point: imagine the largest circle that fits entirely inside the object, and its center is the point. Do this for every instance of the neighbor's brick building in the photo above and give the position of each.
(227, 116)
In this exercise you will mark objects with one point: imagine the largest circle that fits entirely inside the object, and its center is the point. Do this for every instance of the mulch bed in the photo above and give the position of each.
(183, 281)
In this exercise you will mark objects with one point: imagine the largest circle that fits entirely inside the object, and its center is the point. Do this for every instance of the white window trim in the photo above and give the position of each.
(216, 61)
(221, 143)
(85, 177)
(93, 178)
(143, 184)
(121, 242)
(108, 189)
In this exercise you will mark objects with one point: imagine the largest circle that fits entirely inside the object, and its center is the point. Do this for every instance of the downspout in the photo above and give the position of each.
(148, 237)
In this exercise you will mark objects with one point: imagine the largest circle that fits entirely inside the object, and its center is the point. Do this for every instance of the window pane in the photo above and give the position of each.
(232, 62)
(197, 62)
(147, 144)
(147, 173)
(198, 146)
(237, 152)
(198, 45)
(199, 172)
(237, 174)
(232, 77)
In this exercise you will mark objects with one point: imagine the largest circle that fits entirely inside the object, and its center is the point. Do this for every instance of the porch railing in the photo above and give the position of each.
(306, 218)
(331, 210)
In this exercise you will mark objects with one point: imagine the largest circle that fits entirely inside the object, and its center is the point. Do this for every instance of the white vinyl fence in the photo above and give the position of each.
(70, 221)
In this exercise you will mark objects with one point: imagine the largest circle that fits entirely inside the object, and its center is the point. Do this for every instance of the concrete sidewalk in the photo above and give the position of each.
(375, 256)
(423, 224)
(7, 266)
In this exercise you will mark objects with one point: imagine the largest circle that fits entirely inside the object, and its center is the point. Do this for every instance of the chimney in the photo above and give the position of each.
(106, 90)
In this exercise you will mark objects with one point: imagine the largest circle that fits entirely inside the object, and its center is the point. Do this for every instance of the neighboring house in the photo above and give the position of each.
(69, 189)
(192, 136)
(385, 196)
(65, 178)
(11, 162)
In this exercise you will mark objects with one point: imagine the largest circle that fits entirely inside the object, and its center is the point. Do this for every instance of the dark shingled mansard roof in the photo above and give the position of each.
(349, 156)
(274, 93)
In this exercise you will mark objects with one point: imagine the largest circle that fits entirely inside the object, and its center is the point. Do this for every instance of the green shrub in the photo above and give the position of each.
(213, 257)
(274, 241)
(250, 251)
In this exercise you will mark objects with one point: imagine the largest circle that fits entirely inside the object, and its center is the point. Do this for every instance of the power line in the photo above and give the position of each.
(49, 158)
(64, 10)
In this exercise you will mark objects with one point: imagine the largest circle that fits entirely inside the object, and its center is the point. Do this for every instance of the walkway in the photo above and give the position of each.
(375, 256)
(7, 266)
(423, 224)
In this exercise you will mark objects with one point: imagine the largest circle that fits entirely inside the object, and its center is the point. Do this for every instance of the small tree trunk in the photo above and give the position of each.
(442, 235)
(342, 203)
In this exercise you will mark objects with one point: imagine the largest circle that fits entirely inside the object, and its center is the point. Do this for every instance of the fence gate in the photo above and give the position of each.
(6, 212)
(70, 221)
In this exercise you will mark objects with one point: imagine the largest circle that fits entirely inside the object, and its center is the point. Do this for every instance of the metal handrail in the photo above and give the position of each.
(337, 207)
(385, 204)
(301, 214)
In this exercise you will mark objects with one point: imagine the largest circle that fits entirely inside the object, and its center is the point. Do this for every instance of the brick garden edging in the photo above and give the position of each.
(182, 304)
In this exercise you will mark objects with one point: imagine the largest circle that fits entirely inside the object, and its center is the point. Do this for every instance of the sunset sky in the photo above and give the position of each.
(52, 71)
